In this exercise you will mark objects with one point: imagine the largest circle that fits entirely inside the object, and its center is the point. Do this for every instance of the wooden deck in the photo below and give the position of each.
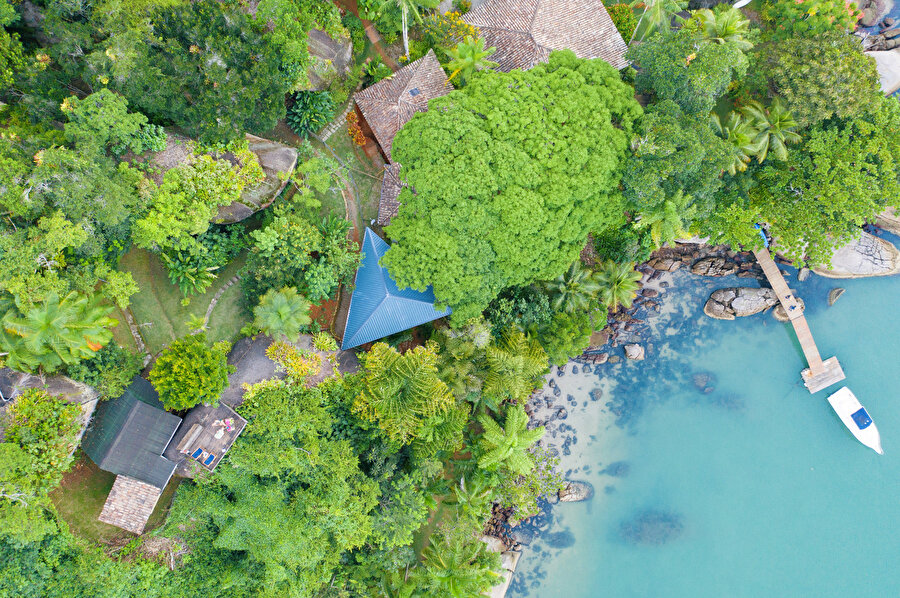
(820, 374)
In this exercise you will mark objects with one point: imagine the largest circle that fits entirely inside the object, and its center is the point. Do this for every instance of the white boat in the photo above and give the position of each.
(856, 418)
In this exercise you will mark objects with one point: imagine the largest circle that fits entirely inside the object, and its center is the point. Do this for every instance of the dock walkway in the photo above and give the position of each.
(820, 374)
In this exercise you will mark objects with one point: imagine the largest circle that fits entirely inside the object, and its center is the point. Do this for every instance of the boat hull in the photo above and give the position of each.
(856, 418)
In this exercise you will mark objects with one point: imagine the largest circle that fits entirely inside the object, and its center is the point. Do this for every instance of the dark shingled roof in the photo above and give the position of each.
(390, 191)
(526, 31)
(128, 435)
(390, 103)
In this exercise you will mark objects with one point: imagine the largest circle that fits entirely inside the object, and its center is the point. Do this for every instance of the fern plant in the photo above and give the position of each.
(310, 111)
(508, 446)
(514, 364)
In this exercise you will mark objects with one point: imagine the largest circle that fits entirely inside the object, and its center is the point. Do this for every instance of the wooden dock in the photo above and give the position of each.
(820, 373)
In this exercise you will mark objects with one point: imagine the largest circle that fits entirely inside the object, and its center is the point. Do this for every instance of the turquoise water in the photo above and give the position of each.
(768, 495)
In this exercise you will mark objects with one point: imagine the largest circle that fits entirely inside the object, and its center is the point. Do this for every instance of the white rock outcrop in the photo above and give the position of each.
(866, 256)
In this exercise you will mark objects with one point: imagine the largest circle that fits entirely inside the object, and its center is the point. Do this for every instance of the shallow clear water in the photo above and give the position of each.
(767, 494)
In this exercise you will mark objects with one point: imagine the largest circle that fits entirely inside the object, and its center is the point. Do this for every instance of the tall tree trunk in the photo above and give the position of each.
(405, 14)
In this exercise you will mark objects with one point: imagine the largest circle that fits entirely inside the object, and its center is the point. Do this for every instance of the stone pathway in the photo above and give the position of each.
(336, 124)
(138, 339)
(217, 296)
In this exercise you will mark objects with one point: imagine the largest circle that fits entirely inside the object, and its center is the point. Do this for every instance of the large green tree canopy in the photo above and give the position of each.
(510, 175)
(843, 174)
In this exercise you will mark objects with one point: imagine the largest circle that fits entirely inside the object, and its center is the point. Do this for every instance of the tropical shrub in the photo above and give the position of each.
(109, 371)
(296, 363)
(46, 427)
(190, 372)
(507, 447)
(817, 78)
(446, 30)
(514, 363)
(684, 67)
(623, 18)
(525, 307)
(787, 19)
(310, 112)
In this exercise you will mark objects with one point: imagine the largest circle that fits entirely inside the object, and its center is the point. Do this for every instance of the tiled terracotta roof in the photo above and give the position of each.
(390, 103)
(130, 504)
(526, 31)
(390, 191)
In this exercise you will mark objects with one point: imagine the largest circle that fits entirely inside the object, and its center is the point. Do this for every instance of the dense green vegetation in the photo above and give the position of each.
(122, 139)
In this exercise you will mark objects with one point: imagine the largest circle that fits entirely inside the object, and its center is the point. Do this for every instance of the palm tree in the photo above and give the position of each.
(725, 25)
(776, 129)
(668, 221)
(58, 330)
(472, 497)
(514, 364)
(402, 392)
(575, 290)
(408, 7)
(740, 133)
(468, 57)
(282, 312)
(618, 284)
(459, 567)
(657, 16)
(508, 446)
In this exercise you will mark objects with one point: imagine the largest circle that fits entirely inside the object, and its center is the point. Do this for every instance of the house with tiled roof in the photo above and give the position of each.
(526, 31)
(385, 107)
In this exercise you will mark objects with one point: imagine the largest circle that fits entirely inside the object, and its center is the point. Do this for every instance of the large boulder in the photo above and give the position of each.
(874, 11)
(634, 351)
(330, 59)
(277, 161)
(576, 491)
(887, 61)
(888, 219)
(866, 256)
(714, 266)
(736, 302)
(666, 264)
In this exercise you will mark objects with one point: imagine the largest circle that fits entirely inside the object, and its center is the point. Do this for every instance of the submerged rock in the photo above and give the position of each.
(576, 492)
(782, 315)
(866, 256)
(563, 539)
(834, 295)
(634, 352)
(803, 274)
(651, 527)
(619, 469)
(727, 304)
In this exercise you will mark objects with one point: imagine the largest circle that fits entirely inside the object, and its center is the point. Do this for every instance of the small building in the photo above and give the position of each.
(525, 32)
(127, 437)
(378, 307)
(385, 107)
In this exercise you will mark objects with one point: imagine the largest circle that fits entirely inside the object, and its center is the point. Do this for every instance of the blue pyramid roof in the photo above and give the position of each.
(378, 308)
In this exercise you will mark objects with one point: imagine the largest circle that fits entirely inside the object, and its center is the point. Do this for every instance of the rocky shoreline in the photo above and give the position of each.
(625, 338)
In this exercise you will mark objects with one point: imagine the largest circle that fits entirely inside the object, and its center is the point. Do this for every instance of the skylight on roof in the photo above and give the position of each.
(414, 91)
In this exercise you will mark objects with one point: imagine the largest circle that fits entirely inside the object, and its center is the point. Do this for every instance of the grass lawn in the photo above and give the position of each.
(157, 307)
(80, 497)
(82, 493)
(121, 333)
(366, 175)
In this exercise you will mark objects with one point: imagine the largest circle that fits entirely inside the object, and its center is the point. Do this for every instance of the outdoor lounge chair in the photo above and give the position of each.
(209, 460)
(196, 454)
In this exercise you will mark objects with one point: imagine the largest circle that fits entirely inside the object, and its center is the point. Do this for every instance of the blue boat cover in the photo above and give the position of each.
(378, 308)
(862, 419)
